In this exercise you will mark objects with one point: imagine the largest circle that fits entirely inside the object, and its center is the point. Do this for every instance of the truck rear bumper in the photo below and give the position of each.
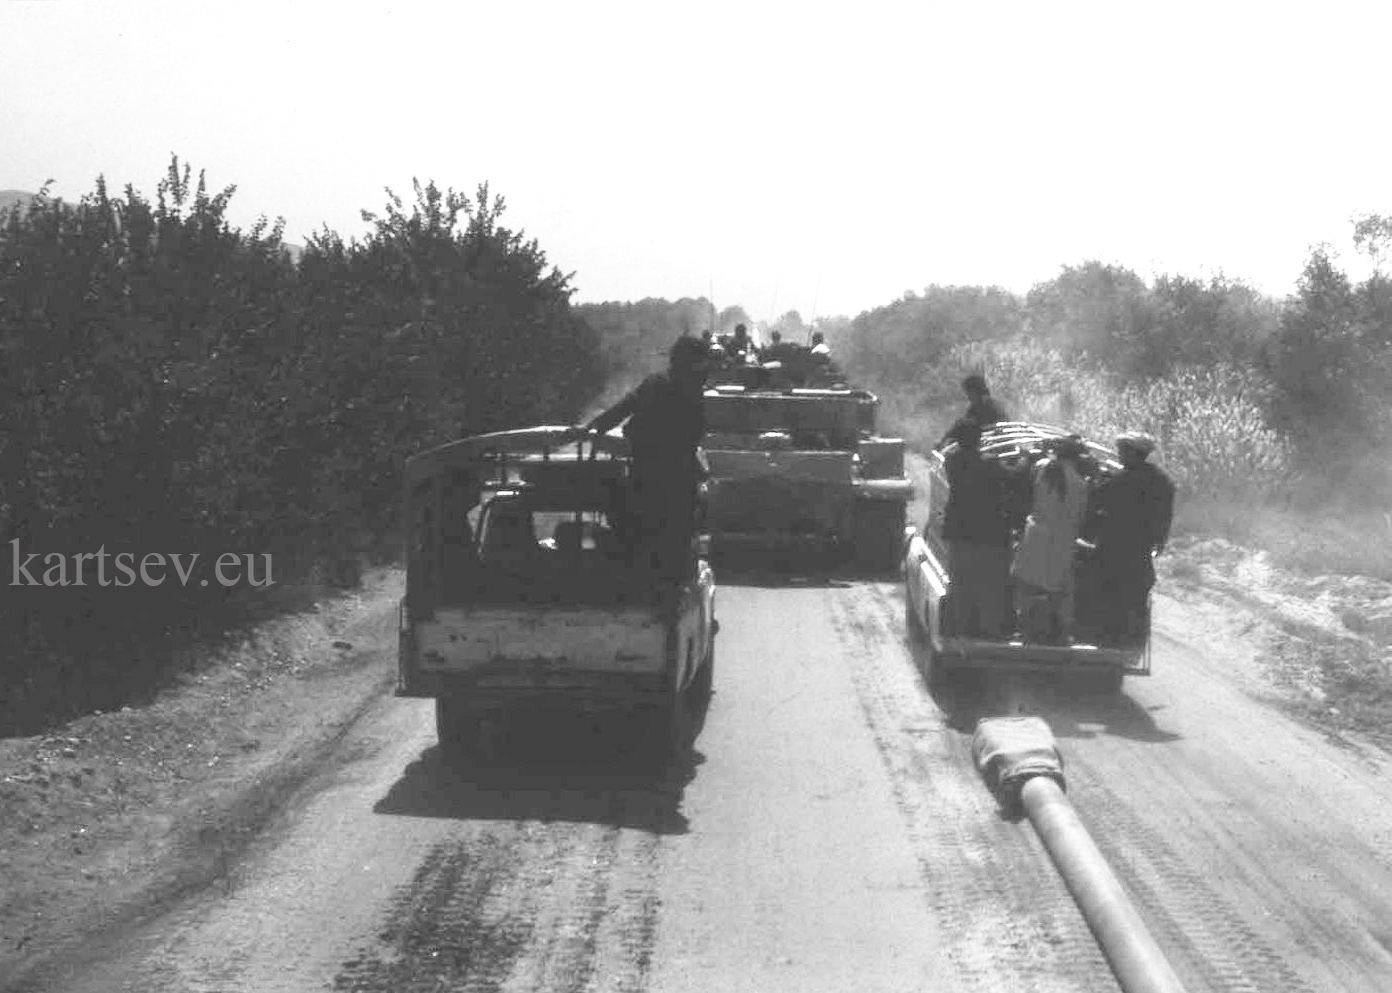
(772, 540)
(506, 685)
(978, 653)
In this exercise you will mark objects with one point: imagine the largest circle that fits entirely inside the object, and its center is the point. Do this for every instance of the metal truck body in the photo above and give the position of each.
(517, 595)
(928, 585)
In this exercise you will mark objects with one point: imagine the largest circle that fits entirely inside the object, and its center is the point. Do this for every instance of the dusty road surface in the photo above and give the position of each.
(827, 833)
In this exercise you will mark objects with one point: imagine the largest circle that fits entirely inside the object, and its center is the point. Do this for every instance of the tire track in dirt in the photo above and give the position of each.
(459, 924)
(537, 905)
(627, 928)
(1202, 934)
(1007, 919)
(561, 955)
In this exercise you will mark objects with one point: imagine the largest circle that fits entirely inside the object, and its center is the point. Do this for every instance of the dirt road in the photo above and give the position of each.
(827, 833)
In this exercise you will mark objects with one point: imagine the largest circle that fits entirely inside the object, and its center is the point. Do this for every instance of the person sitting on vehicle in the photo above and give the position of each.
(778, 350)
(739, 348)
(977, 529)
(819, 345)
(1043, 567)
(715, 346)
(1129, 522)
(665, 423)
(982, 408)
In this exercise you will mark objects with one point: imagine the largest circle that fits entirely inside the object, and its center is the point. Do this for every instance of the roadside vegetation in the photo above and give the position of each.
(1273, 416)
(171, 384)
(174, 384)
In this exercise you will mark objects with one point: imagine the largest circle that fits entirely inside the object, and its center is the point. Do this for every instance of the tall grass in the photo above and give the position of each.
(1212, 434)
(1237, 476)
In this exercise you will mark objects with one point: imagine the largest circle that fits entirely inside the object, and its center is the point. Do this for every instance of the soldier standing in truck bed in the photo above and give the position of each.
(977, 528)
(665, 424)
(982, 408)
(1129, 521)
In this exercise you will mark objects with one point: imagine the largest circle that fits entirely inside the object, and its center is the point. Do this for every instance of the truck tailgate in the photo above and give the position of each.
(628, 640)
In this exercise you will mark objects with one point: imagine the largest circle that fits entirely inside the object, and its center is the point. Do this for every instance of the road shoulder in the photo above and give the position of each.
(114, 816)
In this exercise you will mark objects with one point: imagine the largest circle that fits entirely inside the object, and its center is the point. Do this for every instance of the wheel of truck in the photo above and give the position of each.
(1108, 681)
(668, 733)
(456, 727)
(929, 665)
(671, 728)
(912, 626)
(879, 536)
(703, 684)
(464, 733)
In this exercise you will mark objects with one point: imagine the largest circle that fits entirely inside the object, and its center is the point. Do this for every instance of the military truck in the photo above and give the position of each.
(944, 651)
(521, 594)
(801, 467)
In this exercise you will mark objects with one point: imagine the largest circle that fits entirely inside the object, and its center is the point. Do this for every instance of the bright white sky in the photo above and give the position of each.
(793, 155)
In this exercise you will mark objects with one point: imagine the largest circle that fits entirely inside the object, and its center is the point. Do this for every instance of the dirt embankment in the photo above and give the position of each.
(116, 813)
(1321, 645)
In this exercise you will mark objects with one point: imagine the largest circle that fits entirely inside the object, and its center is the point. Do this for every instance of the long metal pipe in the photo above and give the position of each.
(1132, 953)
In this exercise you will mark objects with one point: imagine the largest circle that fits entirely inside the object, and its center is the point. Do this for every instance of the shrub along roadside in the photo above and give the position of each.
(169, 383)
(1239, 478)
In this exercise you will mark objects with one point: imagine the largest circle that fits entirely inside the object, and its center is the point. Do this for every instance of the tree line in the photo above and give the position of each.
(1317, 364)
(172, 384)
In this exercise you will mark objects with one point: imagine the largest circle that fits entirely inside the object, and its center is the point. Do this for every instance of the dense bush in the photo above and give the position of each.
(1208, 420)
(1257, 403)
(634, 338)
(902, 343)
(169, 383)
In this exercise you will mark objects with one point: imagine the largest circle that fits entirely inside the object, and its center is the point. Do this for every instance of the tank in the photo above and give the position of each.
(802, 467)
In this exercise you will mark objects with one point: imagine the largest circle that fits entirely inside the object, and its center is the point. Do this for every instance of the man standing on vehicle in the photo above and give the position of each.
(1129, 523)
(740, 348)
(977, 528)
(1045, 580)
(666, 421)
(982, 408)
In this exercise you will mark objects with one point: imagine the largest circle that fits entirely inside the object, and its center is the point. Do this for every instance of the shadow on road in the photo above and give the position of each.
(788, 569)
(552, 768)
(1073, 705)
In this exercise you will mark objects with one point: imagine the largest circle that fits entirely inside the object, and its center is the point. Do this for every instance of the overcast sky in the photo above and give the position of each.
(794, 155)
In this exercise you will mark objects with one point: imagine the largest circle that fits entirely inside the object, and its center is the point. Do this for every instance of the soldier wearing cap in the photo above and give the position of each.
(978, 530)
(982, 408)
(1129, 522)
(740, 347)
(665, 423)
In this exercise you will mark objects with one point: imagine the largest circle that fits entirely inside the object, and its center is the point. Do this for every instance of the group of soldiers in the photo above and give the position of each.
(741, 349)
(1019, 531)
(738, 359)
(664, 422)
(1005, 528)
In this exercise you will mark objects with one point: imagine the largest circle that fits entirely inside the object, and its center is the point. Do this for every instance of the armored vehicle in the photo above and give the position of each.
(802, 467)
